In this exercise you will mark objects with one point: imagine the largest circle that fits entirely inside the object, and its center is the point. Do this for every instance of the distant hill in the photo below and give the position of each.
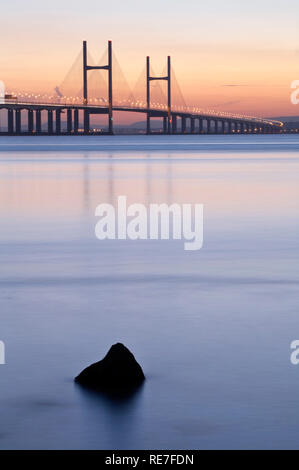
(286, 118)
(291, 123)
(141, 125)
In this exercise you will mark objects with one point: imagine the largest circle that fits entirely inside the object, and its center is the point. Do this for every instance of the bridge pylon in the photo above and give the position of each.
(107, 67)
(149, 78)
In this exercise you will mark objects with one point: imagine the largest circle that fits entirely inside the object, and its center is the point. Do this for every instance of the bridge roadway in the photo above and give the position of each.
(180, 122)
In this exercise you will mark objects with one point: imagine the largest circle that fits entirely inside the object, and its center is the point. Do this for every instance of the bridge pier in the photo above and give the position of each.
(18, 121)
(86, 121)
(208, 126)
(10, 121)
(200, 126)
(169, 125)
(50, 121)
(69, 121)
(192, 125)
(76, 121)
(148, 124)
(58, 121)
(110, 114)
(165, 125)
(216, 126)
(38, 121)
(30, 121)
(183, 121)
(174, 124)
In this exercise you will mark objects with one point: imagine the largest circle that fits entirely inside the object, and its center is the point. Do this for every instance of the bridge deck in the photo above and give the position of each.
(174, 122)
(154, 112)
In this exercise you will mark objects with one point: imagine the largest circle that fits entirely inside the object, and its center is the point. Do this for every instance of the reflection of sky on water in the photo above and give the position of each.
(212, 329)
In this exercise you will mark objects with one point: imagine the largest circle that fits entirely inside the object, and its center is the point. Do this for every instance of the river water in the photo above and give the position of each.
(211, 328)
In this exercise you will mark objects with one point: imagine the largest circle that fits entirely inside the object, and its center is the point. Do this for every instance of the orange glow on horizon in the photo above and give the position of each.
(237, 61)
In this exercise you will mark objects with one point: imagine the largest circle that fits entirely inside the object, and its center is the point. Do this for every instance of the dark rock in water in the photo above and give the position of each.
(118, 371)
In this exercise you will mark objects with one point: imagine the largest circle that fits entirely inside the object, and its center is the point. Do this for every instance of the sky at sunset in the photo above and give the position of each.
(232, 56)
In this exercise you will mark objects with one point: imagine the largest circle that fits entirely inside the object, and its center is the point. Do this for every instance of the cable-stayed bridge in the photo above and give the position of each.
(91, 89)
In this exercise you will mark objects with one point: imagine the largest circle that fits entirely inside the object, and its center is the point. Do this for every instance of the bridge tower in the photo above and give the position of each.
(148, 100)
(107, 67)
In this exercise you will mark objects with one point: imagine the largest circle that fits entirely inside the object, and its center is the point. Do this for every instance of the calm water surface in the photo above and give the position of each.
(212, 328)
